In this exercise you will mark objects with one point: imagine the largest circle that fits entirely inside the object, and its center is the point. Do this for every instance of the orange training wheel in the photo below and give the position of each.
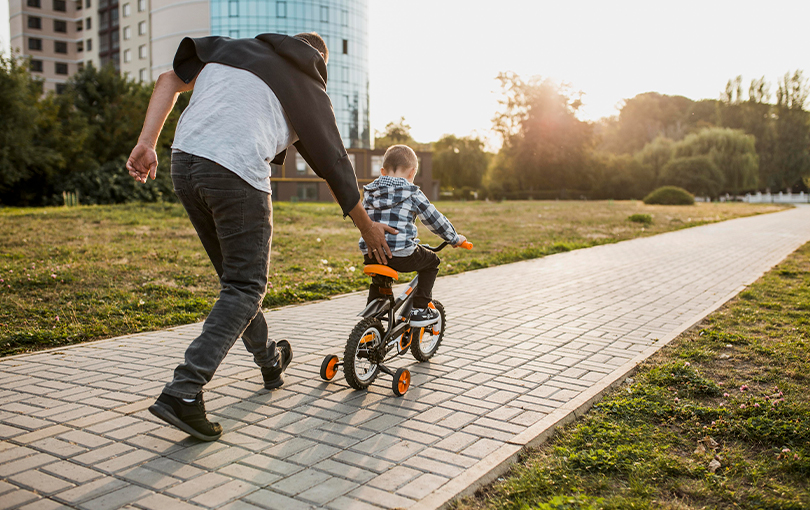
(402, 381)
(329, 367)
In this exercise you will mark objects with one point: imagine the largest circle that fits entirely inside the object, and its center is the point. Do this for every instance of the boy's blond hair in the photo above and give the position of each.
(399, 156)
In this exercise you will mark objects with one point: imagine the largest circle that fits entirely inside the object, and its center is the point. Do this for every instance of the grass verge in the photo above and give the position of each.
(69, 275)
(720, 418)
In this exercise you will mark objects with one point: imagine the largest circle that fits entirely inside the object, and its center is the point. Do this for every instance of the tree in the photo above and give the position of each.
(395, 133)
(656, 154)
(23, 152)
(621, 177)
(732, 152)
(791, 133)
(698, 174)
(545, 146)
(459, 162)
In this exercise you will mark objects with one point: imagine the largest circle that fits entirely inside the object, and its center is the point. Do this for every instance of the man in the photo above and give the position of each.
(252, 99)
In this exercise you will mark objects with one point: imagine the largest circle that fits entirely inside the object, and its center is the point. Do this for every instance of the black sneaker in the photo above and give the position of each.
(421, 317)
(274, 376)
(186, 416)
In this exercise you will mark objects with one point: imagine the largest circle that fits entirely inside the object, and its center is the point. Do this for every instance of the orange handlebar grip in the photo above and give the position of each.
(468, 245)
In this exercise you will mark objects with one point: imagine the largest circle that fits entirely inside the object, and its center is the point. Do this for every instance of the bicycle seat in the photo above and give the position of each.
(381, 270)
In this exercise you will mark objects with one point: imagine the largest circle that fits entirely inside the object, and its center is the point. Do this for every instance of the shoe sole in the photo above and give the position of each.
(278, 383)
(166, 413)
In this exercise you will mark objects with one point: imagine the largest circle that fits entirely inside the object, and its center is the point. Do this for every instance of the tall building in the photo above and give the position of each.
(139, 38)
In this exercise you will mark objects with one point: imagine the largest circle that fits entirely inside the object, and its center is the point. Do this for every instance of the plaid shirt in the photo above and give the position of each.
(395, 202)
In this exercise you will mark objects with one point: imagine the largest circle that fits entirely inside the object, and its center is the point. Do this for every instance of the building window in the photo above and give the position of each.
(141, 5)
(281, 9)
(87, 4)
(79, 5)
(59, 5)
(61, 68)
(324, 14)
(376, 164)
(142, 28)
(345, 46)
(127, 33)
(125, 10)
(80, 46)
(36, 66)
(233, 8)
(88, 23)
(34, 44)
(60, 87)
(307, 191)
(344, 18)
(114, 17)
(60, 26)
(80, 66)
(127, 56)
(142, 75)
(114, 37)
(89, 45)
(60, 46)
(142, 51)
(103, 45)
(35, 3)
(103, 21)
(79, 26)
(34, 22)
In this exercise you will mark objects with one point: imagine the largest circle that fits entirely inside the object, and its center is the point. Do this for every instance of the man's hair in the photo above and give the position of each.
(316, 41)
(399, 156)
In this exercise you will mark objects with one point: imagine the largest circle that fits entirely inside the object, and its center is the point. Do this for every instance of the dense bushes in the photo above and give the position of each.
(670, 195)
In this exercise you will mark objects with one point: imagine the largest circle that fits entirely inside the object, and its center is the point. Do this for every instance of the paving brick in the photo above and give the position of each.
(72, 472)
(149, 478)
(273, 500)
(96, 456)
(382, 498)
(117, 499)
(25, 463)
(163, 502)
(340, 469)
(224, 493)
(300, 482)
(57, 447)
(422, 486)
(345, 503)
(173, 468)
(90, 490)
(327, 491)
(17, 497)
(249, 474)
(198, 485)
(44, 504)
(271, 464)
(40, 482)
(394, 478)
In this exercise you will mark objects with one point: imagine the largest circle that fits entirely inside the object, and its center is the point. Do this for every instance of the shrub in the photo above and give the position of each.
(670, 195)
(644, 219)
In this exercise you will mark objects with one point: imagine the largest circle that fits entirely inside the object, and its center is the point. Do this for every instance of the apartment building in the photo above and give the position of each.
(52, 33)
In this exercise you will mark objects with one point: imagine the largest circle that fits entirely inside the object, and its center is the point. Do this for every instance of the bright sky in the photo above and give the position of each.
(434, 62)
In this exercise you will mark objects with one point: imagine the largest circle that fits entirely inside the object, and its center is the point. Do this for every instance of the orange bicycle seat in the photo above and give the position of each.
(379, 269)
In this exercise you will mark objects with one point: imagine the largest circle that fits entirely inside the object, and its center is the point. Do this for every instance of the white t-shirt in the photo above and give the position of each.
(236, 120)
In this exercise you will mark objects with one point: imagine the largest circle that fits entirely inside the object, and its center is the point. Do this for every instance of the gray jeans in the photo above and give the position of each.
(235, 224)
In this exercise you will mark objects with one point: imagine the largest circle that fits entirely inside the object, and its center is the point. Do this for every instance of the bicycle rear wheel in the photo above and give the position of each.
(424, 348)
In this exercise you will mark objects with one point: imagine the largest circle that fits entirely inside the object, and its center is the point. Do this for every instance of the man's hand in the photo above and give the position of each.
(461, 240)
(374, 236)
(142, 163)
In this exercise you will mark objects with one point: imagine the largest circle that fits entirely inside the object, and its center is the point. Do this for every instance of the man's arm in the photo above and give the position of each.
(142, 162)
(373, 233)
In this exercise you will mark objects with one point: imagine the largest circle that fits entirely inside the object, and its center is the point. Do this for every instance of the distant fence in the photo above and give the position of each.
(763, 198)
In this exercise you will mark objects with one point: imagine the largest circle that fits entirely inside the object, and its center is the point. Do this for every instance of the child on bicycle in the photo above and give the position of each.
(393, 199)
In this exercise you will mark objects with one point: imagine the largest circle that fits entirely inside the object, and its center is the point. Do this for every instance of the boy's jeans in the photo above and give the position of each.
(422, 260)
(234, 222)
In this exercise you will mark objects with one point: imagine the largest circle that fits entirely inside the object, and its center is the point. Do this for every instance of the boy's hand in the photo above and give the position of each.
(142, 163)
(461, 240)
(374, 236)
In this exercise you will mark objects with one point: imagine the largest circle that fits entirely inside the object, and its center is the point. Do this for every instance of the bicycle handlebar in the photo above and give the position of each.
(466, 245)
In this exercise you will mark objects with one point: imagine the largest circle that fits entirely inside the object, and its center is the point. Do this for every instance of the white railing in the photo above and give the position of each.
(777, 198)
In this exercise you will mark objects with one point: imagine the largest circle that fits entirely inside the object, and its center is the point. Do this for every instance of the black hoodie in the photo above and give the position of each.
(296, 73)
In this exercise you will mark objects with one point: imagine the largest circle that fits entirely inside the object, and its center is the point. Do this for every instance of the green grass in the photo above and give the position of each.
(733, 390)
(83, 273)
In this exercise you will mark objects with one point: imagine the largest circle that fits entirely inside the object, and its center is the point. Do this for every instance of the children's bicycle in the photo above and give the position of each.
(385, 333)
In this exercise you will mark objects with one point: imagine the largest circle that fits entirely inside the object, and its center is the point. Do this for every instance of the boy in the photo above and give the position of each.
(393, 200)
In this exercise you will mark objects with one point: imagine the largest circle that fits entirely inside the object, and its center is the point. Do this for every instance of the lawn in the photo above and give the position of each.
(720, 418)
(74, 274)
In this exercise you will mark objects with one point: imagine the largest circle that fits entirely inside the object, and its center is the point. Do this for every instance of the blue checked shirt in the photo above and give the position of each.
(395, 202)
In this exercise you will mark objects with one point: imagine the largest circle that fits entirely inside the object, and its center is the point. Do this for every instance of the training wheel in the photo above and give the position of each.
(329, 367)
(402, 381)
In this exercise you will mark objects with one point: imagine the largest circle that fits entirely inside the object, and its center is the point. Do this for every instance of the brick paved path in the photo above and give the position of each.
(528, 346)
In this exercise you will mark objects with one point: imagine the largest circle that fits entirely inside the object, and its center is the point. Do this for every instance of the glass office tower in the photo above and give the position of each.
(342, 24)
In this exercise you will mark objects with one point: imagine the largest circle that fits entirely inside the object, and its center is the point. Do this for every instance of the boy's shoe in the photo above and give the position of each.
(186, 416)
(274, 376)
(421, 317)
